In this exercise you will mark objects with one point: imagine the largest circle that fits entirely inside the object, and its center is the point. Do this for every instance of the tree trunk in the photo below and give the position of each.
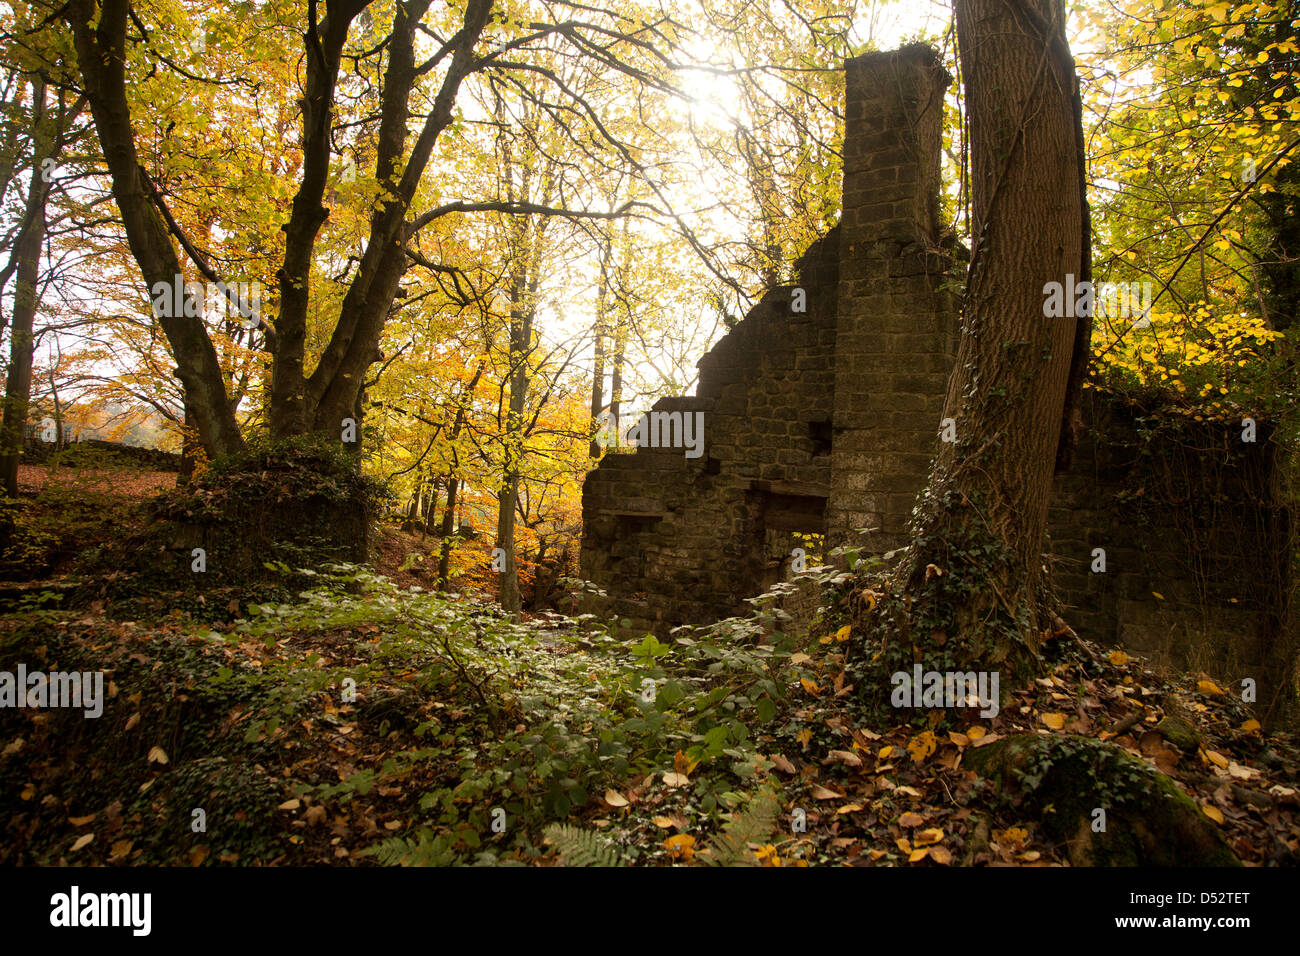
(453, 477)
(297, 403)
(616, 374)
(619, 345)
(101, 54)
(972, 579)
(1281, 262)
(598, 370)
(508, 591)
(521, 329)
(413, 507)
(18, 385)
(526, 245)
(448, 528)
(191, 449)
(430, 505)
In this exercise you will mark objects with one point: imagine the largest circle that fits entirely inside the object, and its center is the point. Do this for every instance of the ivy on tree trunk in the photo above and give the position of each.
(971, 585)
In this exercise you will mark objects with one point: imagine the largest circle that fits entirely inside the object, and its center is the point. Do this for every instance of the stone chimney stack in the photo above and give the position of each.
(896, 327)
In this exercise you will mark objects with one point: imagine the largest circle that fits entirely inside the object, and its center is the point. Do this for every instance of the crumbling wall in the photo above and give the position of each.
(819, 407)
(1168, 539)
(674, 539)
(826, 421)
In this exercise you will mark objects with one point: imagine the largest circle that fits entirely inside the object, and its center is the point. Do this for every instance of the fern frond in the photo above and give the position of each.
(578, 847)
(754, 824)
(428, 850)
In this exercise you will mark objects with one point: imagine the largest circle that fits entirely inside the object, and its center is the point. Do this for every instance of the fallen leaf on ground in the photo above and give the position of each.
(1218, 759)
(928, 837)
(846, 757)
(922, 745)
(680, 846)
(1013, 836)
(782, 763)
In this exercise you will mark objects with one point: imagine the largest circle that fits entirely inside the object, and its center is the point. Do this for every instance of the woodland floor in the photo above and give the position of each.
(235, 708)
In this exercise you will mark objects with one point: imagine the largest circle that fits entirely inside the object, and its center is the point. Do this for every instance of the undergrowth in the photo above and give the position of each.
(479, 731)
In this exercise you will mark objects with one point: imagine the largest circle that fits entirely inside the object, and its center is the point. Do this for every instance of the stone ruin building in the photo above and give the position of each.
(823, 420)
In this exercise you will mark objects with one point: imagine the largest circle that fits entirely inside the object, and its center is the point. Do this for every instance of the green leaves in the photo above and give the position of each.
(649, 650)
(460, 710)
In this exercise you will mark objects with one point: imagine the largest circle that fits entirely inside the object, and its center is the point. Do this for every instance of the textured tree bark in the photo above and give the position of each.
(48, 131)
(453, 477)
(431, 512)
(523, 288)
(354, 344)
(191, 449)
(598, 369)
(101, 55)
(448, 526)
(18, 385)
(508, 590)
(288, 413)
(616, 372)
(972, 578)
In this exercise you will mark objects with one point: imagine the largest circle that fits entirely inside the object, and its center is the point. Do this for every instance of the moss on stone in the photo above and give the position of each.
(1179, 732)
(1149, 820)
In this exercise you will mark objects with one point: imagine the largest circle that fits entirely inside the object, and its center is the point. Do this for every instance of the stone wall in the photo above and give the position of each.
(834, 382)
(674, 539)
(826, 421)
(1195, 542)
(896, 335)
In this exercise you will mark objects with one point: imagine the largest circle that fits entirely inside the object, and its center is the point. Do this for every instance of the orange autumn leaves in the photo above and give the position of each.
(923, 843)
(811, 686)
